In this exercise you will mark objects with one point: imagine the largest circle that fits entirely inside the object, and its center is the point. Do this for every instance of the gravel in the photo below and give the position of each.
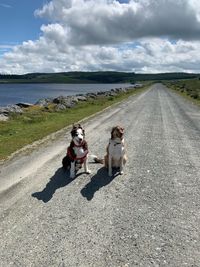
(149, 216)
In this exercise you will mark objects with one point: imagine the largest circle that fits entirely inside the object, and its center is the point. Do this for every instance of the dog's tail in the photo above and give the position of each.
(97, 159)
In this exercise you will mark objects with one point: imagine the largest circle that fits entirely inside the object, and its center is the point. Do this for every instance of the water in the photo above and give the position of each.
(30, 93)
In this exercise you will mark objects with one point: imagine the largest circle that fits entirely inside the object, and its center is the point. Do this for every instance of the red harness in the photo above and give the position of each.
(71, 152)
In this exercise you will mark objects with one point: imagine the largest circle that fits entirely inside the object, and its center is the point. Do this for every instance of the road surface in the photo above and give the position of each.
(149, 216)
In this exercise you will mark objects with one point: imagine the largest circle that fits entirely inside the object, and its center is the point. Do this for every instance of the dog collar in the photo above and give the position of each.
(78, 145)
(117, 144)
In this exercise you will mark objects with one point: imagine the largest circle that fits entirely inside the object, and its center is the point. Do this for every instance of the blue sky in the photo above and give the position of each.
(143, 36)
(18, 22)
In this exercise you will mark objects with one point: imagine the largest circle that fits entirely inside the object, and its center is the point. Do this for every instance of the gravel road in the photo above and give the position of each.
(149, 216)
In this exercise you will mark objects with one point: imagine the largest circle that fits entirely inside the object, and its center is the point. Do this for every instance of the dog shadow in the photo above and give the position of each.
(60, 179)
(99, 180)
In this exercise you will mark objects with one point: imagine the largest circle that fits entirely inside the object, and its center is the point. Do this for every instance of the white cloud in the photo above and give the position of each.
(5, 5)
(142, 36)
(151, 55)
(108, 22)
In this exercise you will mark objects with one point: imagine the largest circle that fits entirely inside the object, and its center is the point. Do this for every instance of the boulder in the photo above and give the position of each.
(11, 109)
(24, 105)
(3, 110)
(14, 109)
(91, 95)
(81, 98)
(61, 100)
(101, 92)
(44, 102)
(60, 107)
(3, 117)
(68, 101)
(73, 99)
(112, 94)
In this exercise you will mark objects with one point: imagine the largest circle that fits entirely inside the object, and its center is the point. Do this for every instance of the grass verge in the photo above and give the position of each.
(36, 123)
(189, 89)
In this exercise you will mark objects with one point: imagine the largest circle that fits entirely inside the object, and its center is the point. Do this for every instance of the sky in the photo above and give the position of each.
(142, 36)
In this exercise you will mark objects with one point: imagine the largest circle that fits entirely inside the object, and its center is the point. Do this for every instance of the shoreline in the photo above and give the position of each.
(61, 102)
(36, 123)
(11, 94)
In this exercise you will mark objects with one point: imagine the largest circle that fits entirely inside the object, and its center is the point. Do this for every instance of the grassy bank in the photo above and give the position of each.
(92, 77)
(190, 89)
(36, 122)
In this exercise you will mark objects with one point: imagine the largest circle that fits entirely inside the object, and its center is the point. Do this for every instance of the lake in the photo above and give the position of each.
(30, 93)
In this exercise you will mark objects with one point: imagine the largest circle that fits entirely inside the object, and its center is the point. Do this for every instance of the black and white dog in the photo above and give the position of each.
(77, 152)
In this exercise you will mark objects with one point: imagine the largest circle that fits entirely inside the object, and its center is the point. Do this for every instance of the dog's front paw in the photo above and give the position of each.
(72, 175)
(109, 173)
(88, 171)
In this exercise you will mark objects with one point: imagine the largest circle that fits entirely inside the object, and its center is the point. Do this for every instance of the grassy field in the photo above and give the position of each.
(93, 77)
(188, 88)
(36, 123)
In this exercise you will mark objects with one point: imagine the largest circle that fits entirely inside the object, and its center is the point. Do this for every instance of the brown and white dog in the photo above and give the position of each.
(77, 152)
(115, 151)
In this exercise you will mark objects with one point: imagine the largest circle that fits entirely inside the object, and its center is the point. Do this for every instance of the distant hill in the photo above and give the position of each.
(92, 77)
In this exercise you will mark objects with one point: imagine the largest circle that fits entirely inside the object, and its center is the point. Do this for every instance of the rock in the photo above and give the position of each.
(24, 105)
(11, 109)
(68, 101)
(70, 104)
(92, 95)
(60, 107)
(101, 92)
(73, 99)
(60, 100)
(81, 98)
(3, 110)
(112, 94)
(44, 102)
(14, 109)
(3, 117)
(137, 85)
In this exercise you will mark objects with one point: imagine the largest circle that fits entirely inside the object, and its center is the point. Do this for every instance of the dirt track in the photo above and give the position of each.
(149, 216)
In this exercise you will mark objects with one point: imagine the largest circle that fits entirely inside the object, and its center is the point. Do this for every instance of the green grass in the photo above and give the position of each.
(190, 89)
(36, 123)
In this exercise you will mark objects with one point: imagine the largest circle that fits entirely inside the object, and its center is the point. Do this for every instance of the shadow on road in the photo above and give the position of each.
(99, 180)
(59, 179)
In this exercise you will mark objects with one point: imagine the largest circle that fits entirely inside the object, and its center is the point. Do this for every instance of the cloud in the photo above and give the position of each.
(151, 55)
(109, 22)
(90, 35)
(5, 5)
(6, 46)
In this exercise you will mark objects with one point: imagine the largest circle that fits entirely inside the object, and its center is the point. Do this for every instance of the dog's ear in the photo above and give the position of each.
(112, 132)
(118, 130)
(80, 127)
(72, 132)
(74, 128)
(121, 129)
(77, 126)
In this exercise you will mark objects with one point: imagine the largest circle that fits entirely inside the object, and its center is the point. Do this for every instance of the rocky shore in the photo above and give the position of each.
(60, 102)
